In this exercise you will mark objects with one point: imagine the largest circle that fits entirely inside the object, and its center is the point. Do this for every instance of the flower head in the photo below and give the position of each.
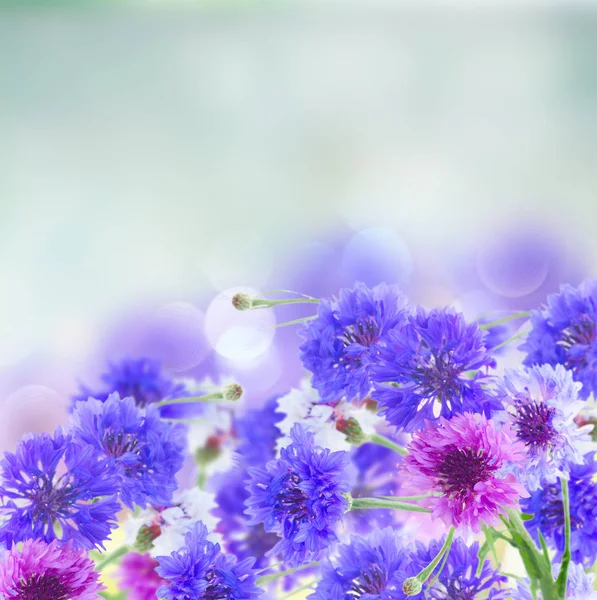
(466, 463)
(300, 497)
(547, 507)
(138, 576)
(200, 571)
(144, 452)
(541, 405)
(430, 367)
(52, 482)
(138, 378)
(565, 332)
(341, 342)
(42, 571)
(461, 577)
(367, 569)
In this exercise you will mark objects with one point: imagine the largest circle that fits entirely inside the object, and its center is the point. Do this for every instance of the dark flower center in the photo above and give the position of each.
(43, 586)
(290, 505)
(534, 424)
(117, 444)
(582, 333)
(461, 469)
(453, 590)
(436, 374)
(51, 500)
(371, 581)
(364, 332)
(217, 588)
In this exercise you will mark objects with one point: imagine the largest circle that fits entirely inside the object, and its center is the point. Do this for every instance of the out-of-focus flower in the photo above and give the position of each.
(300, 497)
(341, 343)
(138, 576)
(460, 576)
(372, 569)
(52, 483)
(200, 570)
(541, 405)
(547, 507)
(256, 432)
(144, 451)
(580, 584)
(432, 367)
(565, 332)
(42, 571)
(138, 378)
(466, 464)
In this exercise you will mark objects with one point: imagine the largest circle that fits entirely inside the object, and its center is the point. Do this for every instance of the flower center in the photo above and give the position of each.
(50, 500)
(452, 590)
(534, 424)
(580, 333)
(120, 443)
(371, 581)
(43, 586)
(436, 374)
(461, 469)
(290, 505)
(364, 332)
(217, 588)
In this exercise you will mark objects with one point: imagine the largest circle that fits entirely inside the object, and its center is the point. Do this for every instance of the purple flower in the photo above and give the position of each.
(580, 584)
(548, 510)
(565, 332)
(139, 378)
(342, 342)
(42, 571)
(541, 405)
(257, 433)
(138, 576)
(200, 571)
(466, 464)
(240, 538)
(300, 497)
(143, 451)
(370, 569)
(460, 577)
(52, 483)
(377, 475)
(430, 367)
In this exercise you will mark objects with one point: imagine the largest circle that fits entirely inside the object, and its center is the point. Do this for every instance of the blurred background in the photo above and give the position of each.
(152, 157)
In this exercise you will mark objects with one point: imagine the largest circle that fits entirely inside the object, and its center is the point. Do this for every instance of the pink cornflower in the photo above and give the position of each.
(42, 571)
(138, 576)
(467, 465)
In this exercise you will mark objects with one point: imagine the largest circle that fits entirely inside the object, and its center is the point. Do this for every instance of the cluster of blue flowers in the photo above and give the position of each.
(409, 435)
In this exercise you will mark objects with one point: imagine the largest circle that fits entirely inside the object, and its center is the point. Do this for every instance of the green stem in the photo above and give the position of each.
(381, 440)
(510, 340)
(299, 589)
(359, 503)
(263, 303)
(213, 397)
(275, 576)
(407, 498)
(111, 558)
(426, 572)
(297, 321)
(562, 580)
(519, 315)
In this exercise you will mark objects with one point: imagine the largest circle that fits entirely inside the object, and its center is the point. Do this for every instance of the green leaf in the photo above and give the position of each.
(526, 517)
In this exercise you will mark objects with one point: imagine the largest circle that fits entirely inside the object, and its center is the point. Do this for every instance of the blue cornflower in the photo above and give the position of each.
(200, 571)
(430, 367)
(139, 378)
(460, 577)
(580, 585)
(377, 476)
(367, 569)
(342, 341)
(300, 497)
(257, 433)
(240, 538)
(546, 506)
(541, 404)
(565, 332)
(54, 488)
(144, 451)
